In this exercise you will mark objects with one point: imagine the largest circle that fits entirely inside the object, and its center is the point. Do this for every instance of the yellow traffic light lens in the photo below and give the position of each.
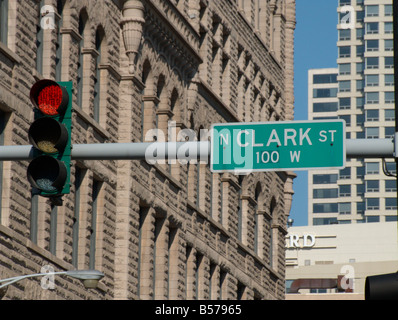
(48, 135)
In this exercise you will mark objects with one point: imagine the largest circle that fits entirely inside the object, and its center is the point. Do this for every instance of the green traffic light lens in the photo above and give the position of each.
(47, 174)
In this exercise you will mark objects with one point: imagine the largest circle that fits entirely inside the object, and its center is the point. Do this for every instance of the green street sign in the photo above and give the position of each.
(277, 146)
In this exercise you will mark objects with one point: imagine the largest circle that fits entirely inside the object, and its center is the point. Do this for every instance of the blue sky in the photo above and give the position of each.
(315, 47)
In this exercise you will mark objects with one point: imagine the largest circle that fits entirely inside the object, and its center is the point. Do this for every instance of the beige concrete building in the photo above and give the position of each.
(157, 231)
(361, 192)
(326, 253)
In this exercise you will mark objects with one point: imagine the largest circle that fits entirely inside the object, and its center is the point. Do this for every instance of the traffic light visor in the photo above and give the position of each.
(47, 174)
(49, 97)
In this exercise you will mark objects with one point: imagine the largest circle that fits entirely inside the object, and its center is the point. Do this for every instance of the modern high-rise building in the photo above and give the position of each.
(361, 91)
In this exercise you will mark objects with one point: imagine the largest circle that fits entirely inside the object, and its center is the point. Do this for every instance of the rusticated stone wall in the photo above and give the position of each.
(157, 231)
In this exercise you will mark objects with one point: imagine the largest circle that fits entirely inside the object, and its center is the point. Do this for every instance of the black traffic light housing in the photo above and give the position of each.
(50, 135)
(382, 287)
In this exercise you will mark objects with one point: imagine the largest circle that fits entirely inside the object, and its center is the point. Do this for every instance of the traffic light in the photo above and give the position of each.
(382, 287)
(50, 135)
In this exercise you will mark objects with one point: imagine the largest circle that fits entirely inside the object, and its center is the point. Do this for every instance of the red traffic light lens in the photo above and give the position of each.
(49, 97)
(49, 100)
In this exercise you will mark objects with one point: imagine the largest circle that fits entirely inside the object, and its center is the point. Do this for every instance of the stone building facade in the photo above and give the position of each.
(157, 231)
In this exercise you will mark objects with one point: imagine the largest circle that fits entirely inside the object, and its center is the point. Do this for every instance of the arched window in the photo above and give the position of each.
(3, 21)
(149, 101)
(256, 219)
(99, 46)
(58, 50)
(39, 39)
(272, 244)
(82, 26)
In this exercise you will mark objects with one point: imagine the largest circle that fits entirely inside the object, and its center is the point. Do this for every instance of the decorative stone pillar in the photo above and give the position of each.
(289, 57)
(132, 28)
(289, 192)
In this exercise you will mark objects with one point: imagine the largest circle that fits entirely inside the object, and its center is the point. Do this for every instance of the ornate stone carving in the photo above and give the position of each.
(132, 27)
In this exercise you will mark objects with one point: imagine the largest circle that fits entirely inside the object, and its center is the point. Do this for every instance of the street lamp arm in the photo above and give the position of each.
(8, 281)
(89, 278)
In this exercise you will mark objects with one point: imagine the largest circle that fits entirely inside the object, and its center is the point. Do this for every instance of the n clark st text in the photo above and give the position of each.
(277, 146)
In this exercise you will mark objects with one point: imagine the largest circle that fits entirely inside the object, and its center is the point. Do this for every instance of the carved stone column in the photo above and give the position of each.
(132, 26)
(289, 192)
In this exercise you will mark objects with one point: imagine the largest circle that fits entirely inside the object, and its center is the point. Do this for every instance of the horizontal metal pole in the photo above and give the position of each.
(355, 148)
(369, 148)
(142, 151)
(121, 151)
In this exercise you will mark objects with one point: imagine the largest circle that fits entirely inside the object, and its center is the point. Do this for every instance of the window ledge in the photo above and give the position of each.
(9, 54)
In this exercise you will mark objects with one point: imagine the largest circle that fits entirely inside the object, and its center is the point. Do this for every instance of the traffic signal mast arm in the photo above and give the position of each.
(355, 148)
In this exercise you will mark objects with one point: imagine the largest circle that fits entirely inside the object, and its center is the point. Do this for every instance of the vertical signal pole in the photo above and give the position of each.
(395, 32)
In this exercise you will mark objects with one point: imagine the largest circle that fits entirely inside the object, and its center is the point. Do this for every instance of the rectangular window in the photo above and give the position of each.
(325, 107)
(389, 132)
(372, 168)
(372, 28)
(361, 190)
(324, 78)
(372, 204)
(389, 97)
(389, 115)
(344, 3)
(344, 34)
(360, 207)
(345, 208)
(372, 63)
(344, 68)
(347, 119)
(360, 120)
(391, 185)
(53, 230)
(388, 10)
(344, 103)
(372, 115)
(344, 52)
(389, 62)
(389, 80)
(360, 67)
(93, 229)
(372, 80)
(388, 45)
(372, 186)
(360, 33)
(324, 178)
(360, 16)
(325, 93)
(345, 86)
(360, 85)
(76, 217)
(372, 97)
(388, 27)
(325, 208)
(345, 173)
(372, 133)
(391, 203)
(372, 11)
(345, 190)
(324, 193)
